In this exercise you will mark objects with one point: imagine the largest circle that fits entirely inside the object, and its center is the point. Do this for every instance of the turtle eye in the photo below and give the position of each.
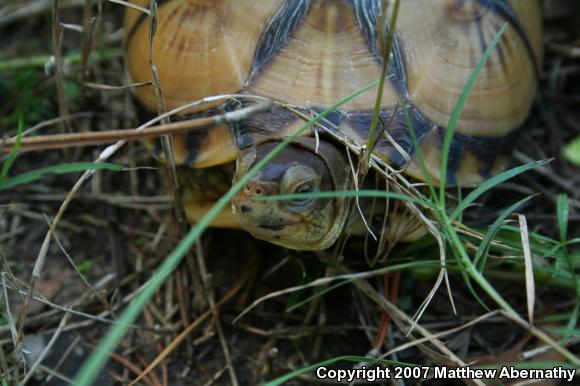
(307, 187)
(300, 180)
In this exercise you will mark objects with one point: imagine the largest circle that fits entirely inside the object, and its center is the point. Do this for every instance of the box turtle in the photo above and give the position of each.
(311, 53)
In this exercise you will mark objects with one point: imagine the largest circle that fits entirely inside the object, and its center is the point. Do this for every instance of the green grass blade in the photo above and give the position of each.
(483, 248)
(346, 193)
(94, 364)
(541, 244)
(459, 107)
(573, 322)
(552, 318)
(37, 174)
(12, 156)
(563, 211)
(546, 276)
(386, 48)
(472, 290)
(477, 276)
(419, 154)
(492, 182)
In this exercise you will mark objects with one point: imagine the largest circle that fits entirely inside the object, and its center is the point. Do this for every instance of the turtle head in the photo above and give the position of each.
(305, 223)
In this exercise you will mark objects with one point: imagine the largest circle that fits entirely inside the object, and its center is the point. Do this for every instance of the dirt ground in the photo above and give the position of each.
(120, 226)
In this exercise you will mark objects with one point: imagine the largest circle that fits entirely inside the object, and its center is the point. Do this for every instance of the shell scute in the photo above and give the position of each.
(326, 59)
(444, 44)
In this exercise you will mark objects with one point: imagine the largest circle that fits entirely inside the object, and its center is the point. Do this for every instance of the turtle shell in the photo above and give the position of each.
(312, 53)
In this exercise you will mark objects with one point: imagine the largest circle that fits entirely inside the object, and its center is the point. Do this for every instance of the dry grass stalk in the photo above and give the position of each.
(57, 32)
(528, 263)
(62, 141)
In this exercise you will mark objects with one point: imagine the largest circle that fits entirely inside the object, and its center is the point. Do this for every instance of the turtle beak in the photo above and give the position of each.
(244, 204)
(258, 188)
(252, 213)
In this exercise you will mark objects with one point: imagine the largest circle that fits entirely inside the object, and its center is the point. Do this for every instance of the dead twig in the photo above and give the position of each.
(60, 141)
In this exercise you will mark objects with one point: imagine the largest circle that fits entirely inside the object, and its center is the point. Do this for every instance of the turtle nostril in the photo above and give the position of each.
(245, 209)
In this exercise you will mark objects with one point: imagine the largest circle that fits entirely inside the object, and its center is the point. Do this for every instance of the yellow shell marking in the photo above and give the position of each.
(201, 47)
(442, 46)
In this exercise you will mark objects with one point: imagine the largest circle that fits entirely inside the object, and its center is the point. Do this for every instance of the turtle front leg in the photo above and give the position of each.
(201, 188)
(195, 210)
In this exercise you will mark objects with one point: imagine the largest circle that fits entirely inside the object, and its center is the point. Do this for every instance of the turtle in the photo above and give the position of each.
(311, 53)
